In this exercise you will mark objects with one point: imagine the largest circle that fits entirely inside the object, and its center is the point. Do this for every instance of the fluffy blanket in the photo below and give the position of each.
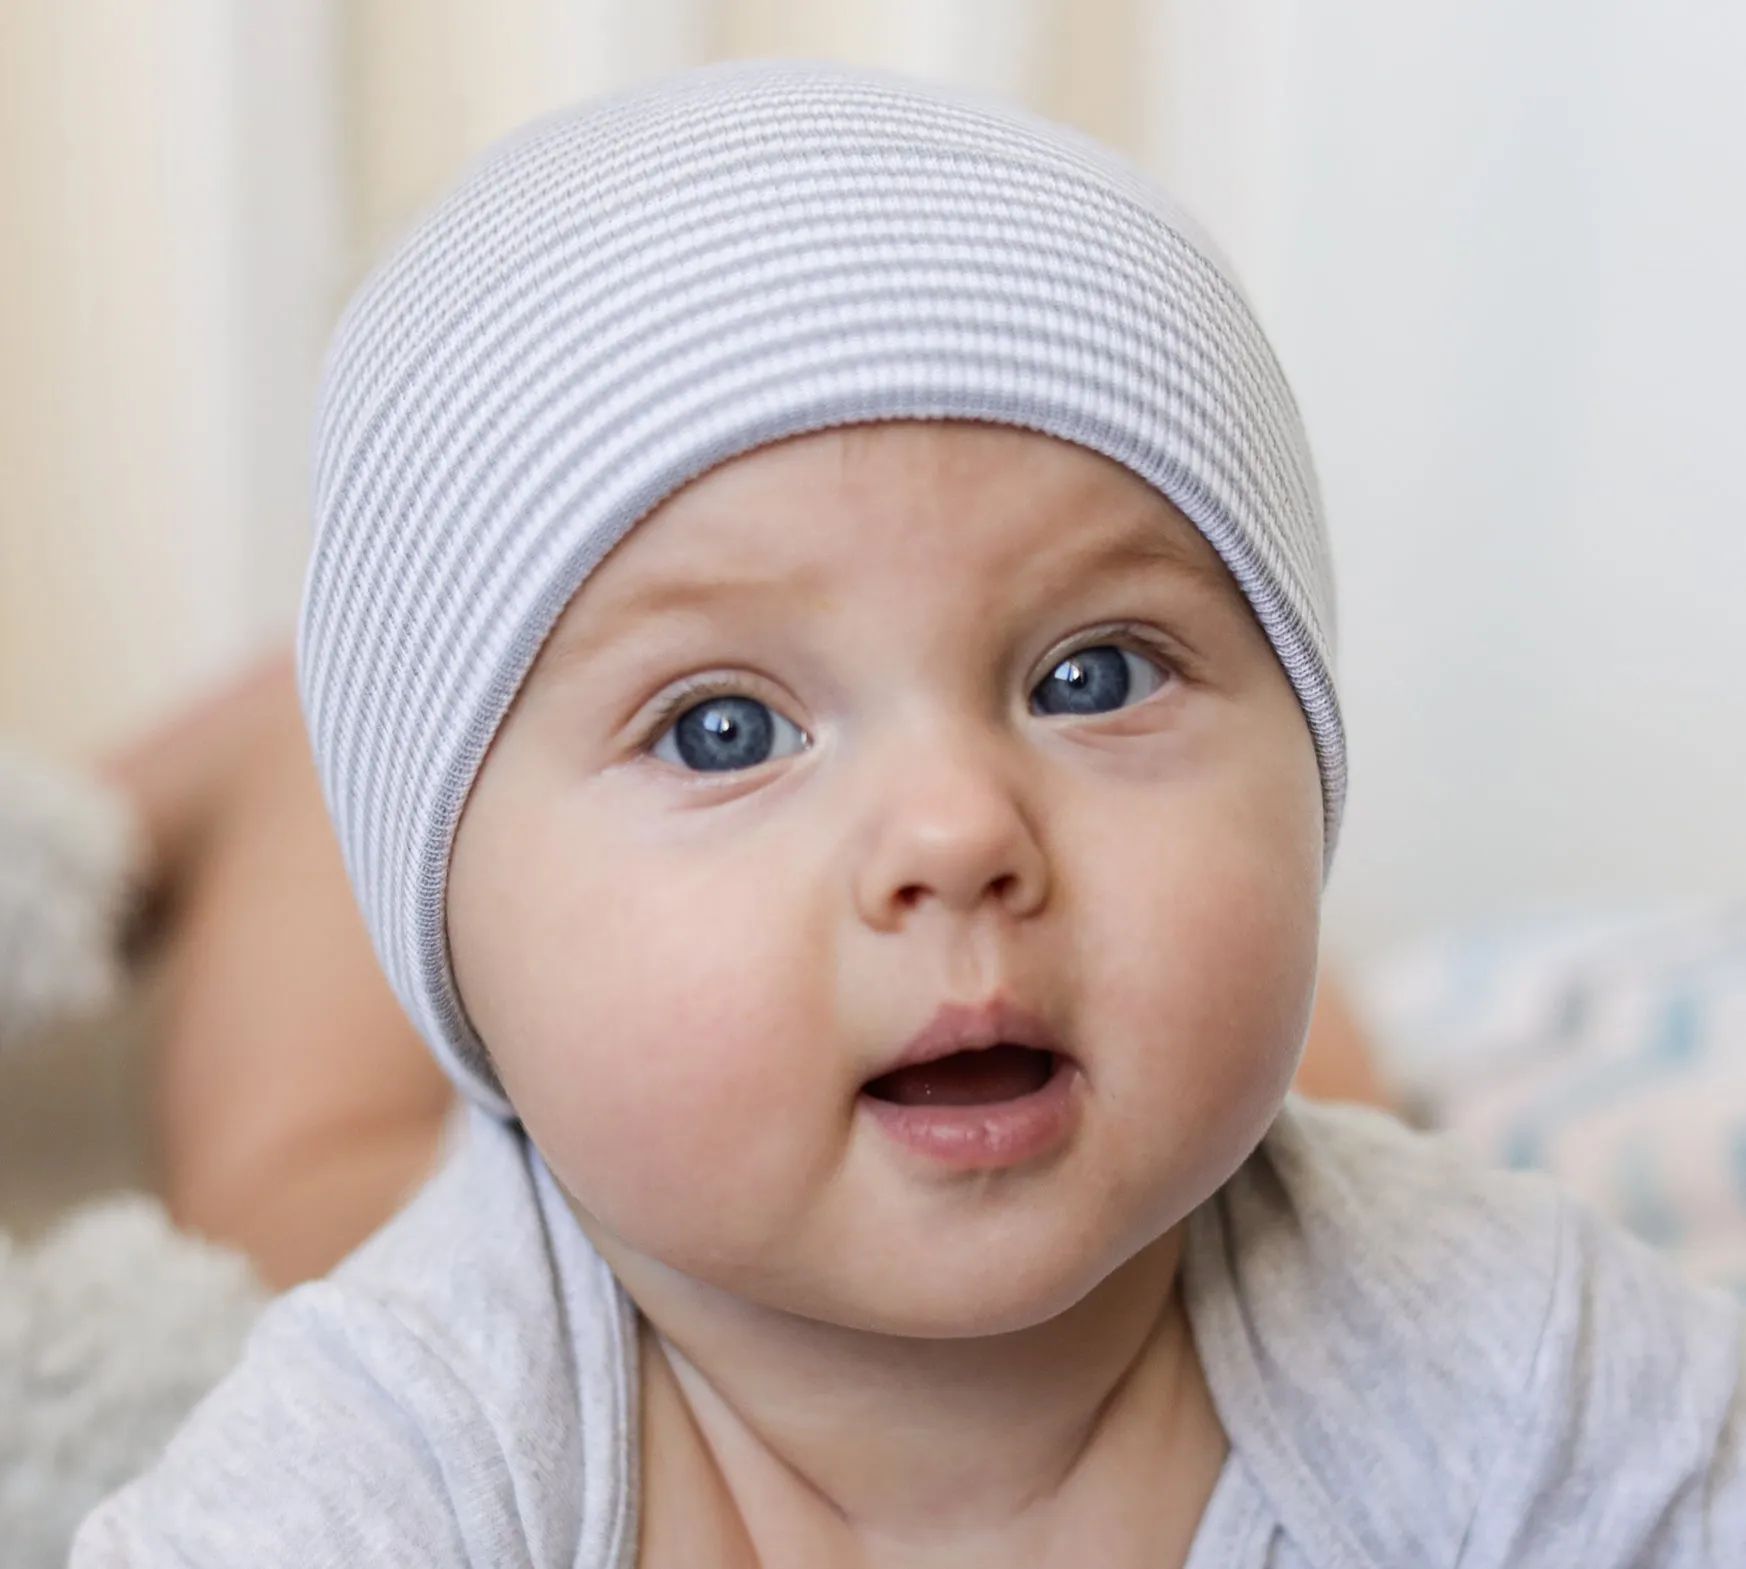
(115, 1324)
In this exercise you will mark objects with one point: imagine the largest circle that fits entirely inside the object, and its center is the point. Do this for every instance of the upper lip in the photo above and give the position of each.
(959, 1026)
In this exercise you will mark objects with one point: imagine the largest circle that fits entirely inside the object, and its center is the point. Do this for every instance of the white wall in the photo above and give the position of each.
(1502, 248)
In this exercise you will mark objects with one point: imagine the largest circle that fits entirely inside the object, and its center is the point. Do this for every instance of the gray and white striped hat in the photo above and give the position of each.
(622, 296)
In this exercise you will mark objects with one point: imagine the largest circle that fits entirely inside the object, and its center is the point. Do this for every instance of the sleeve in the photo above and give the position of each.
(341, 1439)
(1631, 1447)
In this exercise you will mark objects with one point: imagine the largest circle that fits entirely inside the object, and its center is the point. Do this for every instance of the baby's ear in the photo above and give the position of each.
(70, 848)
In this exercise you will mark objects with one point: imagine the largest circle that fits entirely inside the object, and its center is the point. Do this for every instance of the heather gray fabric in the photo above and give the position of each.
(1419, 1363)
(625, 295)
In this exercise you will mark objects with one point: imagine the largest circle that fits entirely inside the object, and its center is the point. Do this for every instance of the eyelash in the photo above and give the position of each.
(1136, 639)
(688, 694)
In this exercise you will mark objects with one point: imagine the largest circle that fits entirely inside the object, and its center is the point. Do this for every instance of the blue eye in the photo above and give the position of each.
(1096, 681)
(722, 734)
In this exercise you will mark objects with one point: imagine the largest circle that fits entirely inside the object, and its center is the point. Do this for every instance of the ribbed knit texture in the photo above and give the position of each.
(623, 296)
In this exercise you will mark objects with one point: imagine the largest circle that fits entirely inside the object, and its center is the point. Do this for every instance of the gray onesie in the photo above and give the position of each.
(1418, 1362)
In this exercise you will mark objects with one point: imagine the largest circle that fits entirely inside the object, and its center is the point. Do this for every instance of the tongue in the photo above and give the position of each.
(967, 1078)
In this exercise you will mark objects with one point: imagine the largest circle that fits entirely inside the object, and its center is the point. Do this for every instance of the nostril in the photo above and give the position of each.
(1004, 889)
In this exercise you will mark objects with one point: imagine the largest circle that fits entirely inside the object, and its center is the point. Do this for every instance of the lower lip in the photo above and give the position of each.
(991, 1137)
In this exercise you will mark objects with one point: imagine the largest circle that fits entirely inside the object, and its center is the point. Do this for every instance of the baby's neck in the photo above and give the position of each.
(1091, 1438)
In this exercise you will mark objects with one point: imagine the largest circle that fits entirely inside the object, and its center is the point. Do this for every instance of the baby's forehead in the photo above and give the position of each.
(970, 512)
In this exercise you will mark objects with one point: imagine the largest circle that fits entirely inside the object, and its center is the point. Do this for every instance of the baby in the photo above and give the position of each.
(818, 648)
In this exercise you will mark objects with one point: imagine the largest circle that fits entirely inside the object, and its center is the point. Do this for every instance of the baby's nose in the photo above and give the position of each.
(951, 831)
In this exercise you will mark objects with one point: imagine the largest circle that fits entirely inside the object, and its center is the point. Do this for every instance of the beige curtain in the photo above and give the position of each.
(172, 246)
(435, 80)
(190, 186)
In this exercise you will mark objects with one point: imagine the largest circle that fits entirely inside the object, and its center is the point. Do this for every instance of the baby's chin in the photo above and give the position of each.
(944, 1293)
(966, 1314)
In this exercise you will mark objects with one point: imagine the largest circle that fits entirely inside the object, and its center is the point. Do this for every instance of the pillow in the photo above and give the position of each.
(1606, 1049)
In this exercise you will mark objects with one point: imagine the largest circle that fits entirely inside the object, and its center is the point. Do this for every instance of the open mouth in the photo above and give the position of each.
(986, 1076)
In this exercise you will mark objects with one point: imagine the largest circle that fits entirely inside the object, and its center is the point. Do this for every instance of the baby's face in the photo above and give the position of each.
(893, 897)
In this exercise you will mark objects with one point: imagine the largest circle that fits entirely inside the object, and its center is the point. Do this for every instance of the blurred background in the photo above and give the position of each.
(1500, 245)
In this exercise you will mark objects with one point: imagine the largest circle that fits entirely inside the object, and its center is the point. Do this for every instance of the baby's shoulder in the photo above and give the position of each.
(1428, 1355)
(439, 1399)
(471, 1252)
(1411, 1233)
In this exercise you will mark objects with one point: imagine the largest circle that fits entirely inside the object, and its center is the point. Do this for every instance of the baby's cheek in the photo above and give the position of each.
(1206, 1000)
(678, 1095)
(635, 1146)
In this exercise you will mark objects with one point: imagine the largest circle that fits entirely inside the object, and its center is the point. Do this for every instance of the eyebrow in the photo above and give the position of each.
(1148, 539)
(1153, 546)
(662, 598)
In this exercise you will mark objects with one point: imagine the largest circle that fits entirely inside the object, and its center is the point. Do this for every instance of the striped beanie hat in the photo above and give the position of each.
(625, 295)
